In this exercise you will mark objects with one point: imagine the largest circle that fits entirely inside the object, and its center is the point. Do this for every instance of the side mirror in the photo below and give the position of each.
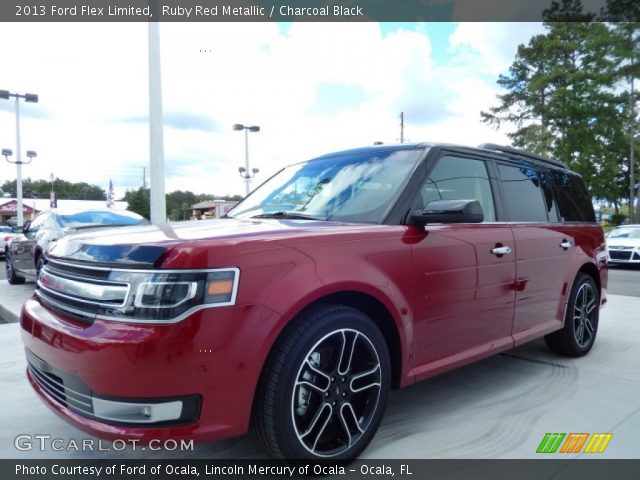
(17, 229)
(448, 211)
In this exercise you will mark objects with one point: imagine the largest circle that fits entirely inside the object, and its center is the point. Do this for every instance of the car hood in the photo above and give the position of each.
(145, 246)
(623, 242)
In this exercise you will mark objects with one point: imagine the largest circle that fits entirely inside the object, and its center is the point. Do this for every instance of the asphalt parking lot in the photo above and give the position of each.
(500, 407)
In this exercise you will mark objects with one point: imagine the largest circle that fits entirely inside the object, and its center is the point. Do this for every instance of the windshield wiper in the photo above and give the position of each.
(289, 215)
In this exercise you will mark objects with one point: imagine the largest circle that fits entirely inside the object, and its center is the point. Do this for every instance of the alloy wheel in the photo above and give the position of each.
(584, 312)
(336, 392)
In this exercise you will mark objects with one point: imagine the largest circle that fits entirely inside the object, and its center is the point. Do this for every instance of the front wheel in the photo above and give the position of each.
(324, 388)
(577, 336)
(12, 277)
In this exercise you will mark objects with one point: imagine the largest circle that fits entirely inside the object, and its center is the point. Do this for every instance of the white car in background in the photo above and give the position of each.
(623, 245)
(6, 234)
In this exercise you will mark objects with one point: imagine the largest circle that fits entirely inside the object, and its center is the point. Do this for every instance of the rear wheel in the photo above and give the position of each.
(12, 277)
(581, 320)
(324, 388)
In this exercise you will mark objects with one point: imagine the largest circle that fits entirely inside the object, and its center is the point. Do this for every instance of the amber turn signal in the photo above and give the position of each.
(220, 287)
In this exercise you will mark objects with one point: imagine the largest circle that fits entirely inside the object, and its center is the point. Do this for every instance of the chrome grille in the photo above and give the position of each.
(54, 385)
(617, 255)
(80, 291)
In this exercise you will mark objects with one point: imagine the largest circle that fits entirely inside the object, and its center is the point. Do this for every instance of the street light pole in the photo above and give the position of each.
(18, 166)
(245, 172)
(28, 97)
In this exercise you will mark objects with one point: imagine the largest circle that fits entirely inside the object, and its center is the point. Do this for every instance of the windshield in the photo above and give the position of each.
(353, 188)
(97, 218)
(624, 233)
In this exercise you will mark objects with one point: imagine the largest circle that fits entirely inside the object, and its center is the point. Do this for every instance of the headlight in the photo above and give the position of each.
(168, 295)
(142, 296)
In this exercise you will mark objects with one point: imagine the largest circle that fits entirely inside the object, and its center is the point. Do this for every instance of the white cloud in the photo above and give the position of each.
(490, 47)
(92, 81)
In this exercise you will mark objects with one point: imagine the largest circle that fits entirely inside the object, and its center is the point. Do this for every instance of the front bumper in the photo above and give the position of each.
(210, 362)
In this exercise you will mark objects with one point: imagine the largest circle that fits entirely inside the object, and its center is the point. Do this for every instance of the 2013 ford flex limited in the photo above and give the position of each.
(336, 280)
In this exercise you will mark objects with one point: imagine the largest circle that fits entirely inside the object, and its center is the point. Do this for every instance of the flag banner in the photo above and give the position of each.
(110, 196)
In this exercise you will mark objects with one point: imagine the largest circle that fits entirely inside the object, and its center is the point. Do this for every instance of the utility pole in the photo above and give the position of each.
(401, 127)
(144, 177)
(158, 207)
(632, 141)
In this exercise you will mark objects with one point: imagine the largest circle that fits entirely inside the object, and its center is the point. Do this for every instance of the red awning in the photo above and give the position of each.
(12, 207)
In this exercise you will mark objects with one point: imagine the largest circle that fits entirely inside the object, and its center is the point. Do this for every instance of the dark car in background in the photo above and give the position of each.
(25, 253)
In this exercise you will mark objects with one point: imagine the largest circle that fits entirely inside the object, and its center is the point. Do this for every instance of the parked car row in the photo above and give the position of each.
(24, 247)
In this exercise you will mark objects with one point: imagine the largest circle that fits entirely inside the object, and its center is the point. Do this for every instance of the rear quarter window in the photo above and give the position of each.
(574, 201)
(522, 194)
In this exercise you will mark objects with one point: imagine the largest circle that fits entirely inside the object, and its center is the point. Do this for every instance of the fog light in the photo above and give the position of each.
(136, 412)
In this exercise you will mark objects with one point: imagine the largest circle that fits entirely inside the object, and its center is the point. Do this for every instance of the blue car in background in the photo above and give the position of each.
(25, 253)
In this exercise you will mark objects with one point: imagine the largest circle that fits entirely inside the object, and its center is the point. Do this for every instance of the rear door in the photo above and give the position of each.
(463, 288)
(543, 249)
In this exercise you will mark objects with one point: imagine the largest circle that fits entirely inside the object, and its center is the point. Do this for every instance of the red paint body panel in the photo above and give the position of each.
(451, 301)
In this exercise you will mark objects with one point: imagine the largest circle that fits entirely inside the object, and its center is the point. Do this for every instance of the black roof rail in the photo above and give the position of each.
(520, 153)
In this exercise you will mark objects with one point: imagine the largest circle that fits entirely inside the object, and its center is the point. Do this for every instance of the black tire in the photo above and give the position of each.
(39, 265)
(577, 336)
(12, 277)
(311, 402)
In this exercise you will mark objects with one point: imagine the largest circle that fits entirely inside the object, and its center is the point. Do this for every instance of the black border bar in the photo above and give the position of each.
(281, 10)
(562, 467)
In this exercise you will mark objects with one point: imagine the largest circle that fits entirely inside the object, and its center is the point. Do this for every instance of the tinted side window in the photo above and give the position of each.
(455, 178)
(574, 201)
(549, 198)
(522, 194)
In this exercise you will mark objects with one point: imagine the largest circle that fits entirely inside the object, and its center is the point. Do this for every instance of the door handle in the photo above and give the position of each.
(566, 244)
(501, 250)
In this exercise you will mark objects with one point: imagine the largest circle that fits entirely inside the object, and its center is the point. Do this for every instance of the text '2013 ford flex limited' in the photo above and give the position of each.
(336, 280)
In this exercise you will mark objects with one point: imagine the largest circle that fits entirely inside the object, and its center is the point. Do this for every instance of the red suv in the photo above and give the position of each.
(336, 280)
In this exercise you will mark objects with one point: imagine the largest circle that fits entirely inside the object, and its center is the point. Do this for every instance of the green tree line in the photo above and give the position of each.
(178, 202)
(64, 190)
(571, 94)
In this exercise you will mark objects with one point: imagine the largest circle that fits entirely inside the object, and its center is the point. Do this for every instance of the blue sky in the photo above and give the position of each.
(313, 88)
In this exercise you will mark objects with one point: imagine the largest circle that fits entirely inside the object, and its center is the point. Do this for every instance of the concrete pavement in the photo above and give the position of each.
(500, 407)
(12, 297)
